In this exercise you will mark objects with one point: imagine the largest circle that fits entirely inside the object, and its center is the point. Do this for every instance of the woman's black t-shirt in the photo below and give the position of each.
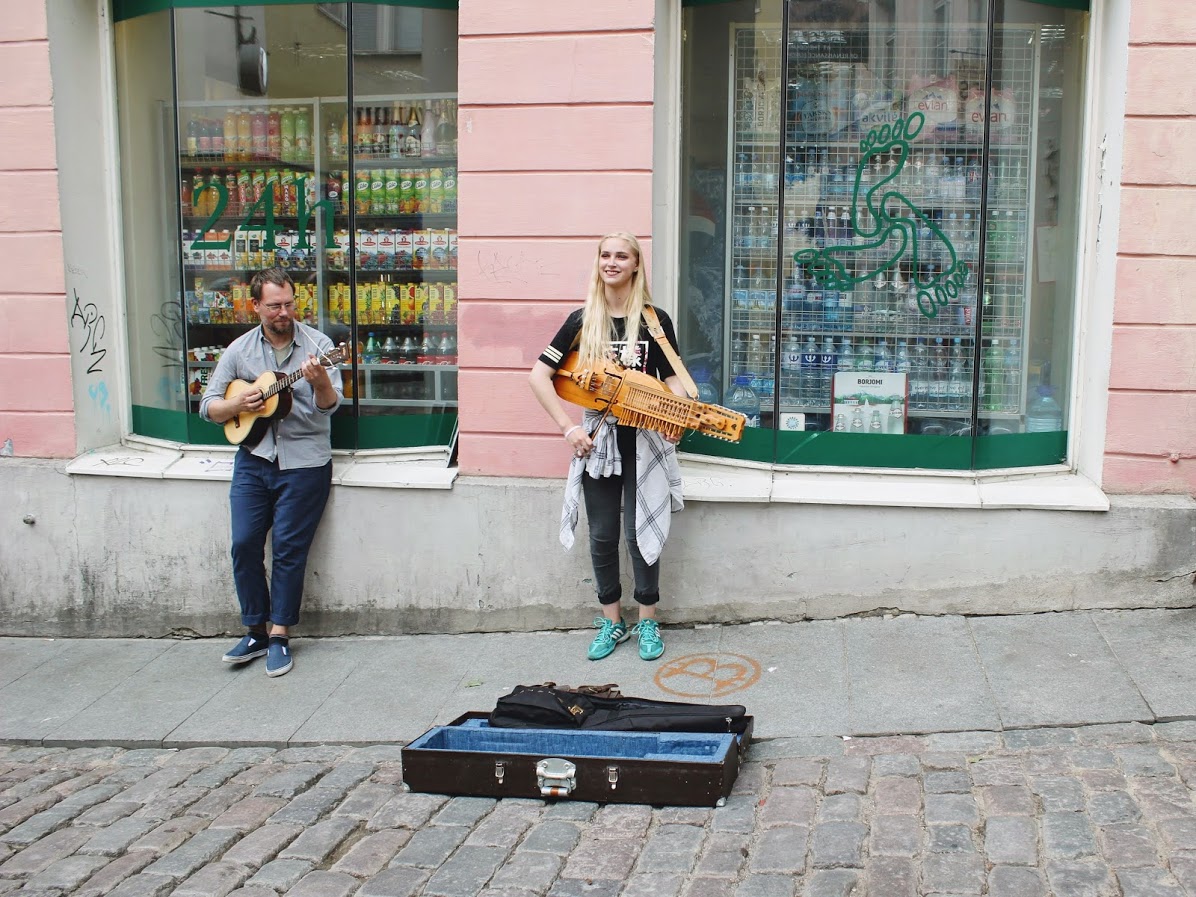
(657, 365)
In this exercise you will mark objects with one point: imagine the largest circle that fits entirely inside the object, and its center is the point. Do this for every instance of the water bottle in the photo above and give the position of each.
(902, 364)
(791, 369)
(919, 386)
(1013, 376)
(795, 294)
(707, 391)
(809, 372)
(1044, 414)
(864, 359)
(826, 371)
(846, 360)
(846, 309)
(938, 375)
(743, 399)
(958, 382)
(994, 377)
(883, 363)
(370, 355)
(755, 359)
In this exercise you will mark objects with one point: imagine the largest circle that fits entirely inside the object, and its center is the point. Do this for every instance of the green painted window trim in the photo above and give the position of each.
(382, 431)
(820, 449)
(131, 9)
(1082, 5)
(160, 423)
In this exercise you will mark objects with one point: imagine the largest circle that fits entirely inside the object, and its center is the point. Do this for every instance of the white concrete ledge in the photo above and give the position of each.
(155, 459)
(1051, 489)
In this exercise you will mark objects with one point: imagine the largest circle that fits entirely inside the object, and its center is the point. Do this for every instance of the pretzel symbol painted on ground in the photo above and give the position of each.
(704, 675)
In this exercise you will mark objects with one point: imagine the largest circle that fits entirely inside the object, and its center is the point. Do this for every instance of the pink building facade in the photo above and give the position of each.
(568, 130)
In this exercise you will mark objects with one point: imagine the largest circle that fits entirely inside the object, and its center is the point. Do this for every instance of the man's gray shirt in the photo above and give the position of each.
(303, 437)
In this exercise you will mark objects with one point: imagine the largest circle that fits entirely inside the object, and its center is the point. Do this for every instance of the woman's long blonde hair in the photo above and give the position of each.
(597, 327)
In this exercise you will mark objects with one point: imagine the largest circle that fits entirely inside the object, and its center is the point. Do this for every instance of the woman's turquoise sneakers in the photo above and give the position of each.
(651, 647)
(609, 635)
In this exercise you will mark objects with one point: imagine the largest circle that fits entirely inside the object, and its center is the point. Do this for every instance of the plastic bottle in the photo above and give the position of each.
(846, 360)
(743, 399)
(1013, 372)
(303, 135)
(274, 134)
(919, 379)
(883, 362)
(826, 372)
(232, 152)
(427, 141)
(388, 348)
(707, 391)
(370, 355)
(286, 131)
(258, 130)
(938, 375)
(408, 351)
(1044, 415)
(994, 377)
(865, 358)
(790, 369)
(959, 384)
(755, 357)
(244, 135)
(902, 363)
(809, 371)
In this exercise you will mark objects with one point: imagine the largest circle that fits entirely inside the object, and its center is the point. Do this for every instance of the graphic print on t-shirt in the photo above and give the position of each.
(631, 356)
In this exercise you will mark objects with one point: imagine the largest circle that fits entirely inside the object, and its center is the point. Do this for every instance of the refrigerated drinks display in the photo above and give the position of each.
(864, 223)
(359, 205)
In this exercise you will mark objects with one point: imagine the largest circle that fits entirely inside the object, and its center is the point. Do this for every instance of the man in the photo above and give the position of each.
(283, 482)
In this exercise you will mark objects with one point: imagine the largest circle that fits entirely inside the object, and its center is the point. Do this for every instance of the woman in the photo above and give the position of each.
(611, 326)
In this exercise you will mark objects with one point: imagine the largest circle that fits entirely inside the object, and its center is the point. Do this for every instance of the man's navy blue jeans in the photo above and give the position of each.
(291, 502)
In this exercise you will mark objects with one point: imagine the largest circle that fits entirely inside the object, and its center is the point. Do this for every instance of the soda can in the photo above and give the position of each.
(377, 192)
(392, 191)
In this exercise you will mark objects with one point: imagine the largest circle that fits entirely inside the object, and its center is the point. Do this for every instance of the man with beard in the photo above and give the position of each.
(282, 482)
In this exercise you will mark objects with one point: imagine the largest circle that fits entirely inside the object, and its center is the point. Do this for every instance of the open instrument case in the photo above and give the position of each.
(468, 756)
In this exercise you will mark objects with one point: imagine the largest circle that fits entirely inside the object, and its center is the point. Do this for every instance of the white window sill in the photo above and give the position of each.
(1048, 489)
(158, 459)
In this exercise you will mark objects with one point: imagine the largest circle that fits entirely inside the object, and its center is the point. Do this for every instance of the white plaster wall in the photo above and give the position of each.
(108, 556)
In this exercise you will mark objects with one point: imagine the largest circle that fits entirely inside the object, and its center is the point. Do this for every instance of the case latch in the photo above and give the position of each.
(556, 777)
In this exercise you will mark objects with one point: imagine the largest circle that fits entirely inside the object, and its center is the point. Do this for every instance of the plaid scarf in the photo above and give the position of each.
(657, 482)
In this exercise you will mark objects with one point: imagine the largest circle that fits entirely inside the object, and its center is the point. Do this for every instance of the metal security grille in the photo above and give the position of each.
(877, 211)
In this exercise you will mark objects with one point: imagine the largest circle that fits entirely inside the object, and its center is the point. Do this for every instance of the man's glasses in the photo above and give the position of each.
(275, 307)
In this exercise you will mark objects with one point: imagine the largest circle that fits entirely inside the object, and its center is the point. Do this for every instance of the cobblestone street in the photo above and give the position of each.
(1097, 810)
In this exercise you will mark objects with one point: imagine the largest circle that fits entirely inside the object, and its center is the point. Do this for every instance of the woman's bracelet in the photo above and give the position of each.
(571, 429)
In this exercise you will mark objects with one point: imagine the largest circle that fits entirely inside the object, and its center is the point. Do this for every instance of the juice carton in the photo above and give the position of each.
(377, 303)
(435, 303)
(393, 313)
(404, 248)
(438, 257)
(240, 293)
(407, 302)
(211, 255)
(367, 250)
(254, 254)
(450, 303)
(241, 249)
(421, 303)
(284, 245)
(421, 246)
(386, 248)
(452, 244)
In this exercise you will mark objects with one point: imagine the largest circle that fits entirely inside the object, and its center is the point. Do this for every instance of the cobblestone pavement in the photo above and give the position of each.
(1101, 810)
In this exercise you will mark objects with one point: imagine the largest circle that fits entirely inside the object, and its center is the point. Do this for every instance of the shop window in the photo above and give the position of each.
(317, 137)
(879, 242)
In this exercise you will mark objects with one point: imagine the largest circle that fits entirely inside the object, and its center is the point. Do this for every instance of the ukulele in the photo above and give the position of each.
(249, 427)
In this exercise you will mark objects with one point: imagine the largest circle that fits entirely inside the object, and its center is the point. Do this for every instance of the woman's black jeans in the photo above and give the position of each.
(604, 496)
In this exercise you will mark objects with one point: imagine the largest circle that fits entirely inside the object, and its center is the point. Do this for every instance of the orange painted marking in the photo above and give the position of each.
(703, 675)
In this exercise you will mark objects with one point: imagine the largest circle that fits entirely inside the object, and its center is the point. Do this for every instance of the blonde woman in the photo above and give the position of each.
(614, 465)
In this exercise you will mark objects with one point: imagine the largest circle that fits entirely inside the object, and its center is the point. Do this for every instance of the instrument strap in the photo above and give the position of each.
(658, 334)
